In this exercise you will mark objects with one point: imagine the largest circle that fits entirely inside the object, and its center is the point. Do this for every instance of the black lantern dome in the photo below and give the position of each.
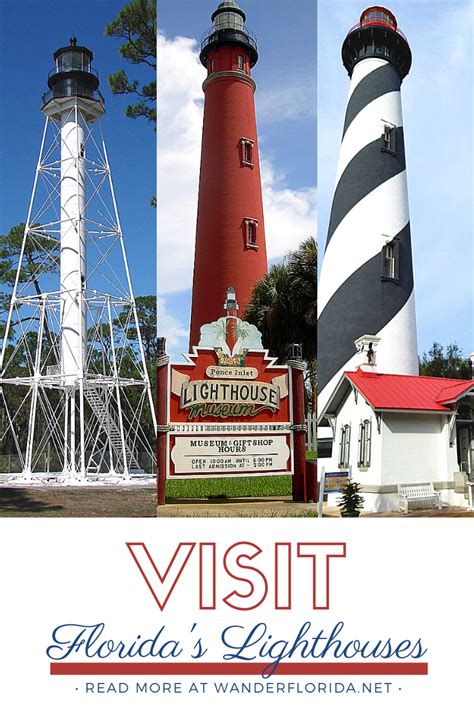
(73, 75)
(228, 27)
(377, 35)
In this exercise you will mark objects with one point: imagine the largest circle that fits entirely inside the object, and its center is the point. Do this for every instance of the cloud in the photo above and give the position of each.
(290, 215)
(293, 101)
(171, 328)
(179, 136)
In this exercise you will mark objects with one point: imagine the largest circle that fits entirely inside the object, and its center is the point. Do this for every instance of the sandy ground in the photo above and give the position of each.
(139, 501)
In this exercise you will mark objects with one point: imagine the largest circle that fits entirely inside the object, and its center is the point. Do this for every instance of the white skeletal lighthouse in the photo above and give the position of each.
(74, 76)
(366, 282)
(75, 396)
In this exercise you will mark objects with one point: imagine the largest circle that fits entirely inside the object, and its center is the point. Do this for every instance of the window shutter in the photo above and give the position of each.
(396, 256)
(348, 446)
(341, 447)
(382, 263)
(393, 140)
(359, 447)
(369, 440)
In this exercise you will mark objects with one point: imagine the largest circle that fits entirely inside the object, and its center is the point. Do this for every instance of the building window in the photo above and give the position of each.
(240, 63)
(391, 261)
(388, 139)
(344, 446)
(246, 146)
(211, 66)
(365, 434)
(250, 230)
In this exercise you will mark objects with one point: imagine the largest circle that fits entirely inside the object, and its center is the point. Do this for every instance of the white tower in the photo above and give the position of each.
(366, 283)
(74, 386)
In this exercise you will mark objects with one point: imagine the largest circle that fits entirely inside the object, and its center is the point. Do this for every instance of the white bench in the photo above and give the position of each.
(422, 495)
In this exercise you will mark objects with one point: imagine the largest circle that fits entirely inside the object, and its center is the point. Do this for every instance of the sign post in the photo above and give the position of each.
(331, 482)
(162, 427)
(229, 411)
(296, 366)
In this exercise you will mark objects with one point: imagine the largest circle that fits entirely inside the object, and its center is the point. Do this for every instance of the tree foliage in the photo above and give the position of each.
(146, 315)
(136, 24)
(40, 257)
(283, 307)
(449, 361)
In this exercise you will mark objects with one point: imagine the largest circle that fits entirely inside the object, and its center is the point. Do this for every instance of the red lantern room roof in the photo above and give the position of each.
(378, 15)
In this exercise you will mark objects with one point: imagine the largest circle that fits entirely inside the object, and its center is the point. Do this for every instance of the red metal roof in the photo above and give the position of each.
(408, 391)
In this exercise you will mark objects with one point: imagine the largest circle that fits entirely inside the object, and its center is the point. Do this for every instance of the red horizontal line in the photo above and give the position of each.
(389, 668)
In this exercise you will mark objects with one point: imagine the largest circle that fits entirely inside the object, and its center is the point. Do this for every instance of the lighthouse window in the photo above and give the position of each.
(250, 226)
(388, 139)
(365, 443)
(247, 151)
(71, 61)
(212, 66)
(377, 16)
(240, 63)
(344, 446)
(251, 233)
(391, 260)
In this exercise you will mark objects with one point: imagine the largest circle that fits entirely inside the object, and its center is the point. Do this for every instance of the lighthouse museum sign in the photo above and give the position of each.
(229, 415)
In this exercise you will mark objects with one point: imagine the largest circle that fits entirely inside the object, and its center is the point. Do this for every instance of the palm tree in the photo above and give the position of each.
(283, 307)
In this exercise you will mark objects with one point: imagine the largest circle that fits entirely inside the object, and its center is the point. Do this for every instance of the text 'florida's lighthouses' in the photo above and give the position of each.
(366, 283)
(230, 235)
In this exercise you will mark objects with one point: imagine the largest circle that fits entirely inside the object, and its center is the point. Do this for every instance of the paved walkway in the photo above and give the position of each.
(445, 512)
(282, 507)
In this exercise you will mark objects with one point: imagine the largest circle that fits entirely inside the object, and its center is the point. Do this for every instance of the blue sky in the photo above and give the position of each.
(286, 119)
(286, 35)
(29, 34)
(437, 98)
(437, 104)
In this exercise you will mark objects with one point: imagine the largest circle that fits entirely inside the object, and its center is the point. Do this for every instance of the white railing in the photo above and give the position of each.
(311, 432)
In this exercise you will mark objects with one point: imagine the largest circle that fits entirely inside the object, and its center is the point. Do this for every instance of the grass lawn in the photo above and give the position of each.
(258, 487)
(253, 486)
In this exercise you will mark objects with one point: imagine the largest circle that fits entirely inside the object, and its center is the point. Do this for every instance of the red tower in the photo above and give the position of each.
(230, 235)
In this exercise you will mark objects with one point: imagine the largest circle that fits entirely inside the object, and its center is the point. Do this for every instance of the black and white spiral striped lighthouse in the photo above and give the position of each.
(366, 282)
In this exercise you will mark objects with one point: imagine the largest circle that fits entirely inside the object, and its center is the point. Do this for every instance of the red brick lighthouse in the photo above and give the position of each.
(230, 235)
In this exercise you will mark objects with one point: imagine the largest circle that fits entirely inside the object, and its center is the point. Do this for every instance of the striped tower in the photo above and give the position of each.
(366, 282)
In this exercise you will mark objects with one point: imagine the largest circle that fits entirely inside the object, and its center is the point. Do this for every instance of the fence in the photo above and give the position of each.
(11, 464)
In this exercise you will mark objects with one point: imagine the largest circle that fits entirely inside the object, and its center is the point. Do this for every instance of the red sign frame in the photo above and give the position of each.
(266, 419)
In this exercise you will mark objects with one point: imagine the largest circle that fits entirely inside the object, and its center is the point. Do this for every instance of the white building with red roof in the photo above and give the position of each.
(401, 429)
